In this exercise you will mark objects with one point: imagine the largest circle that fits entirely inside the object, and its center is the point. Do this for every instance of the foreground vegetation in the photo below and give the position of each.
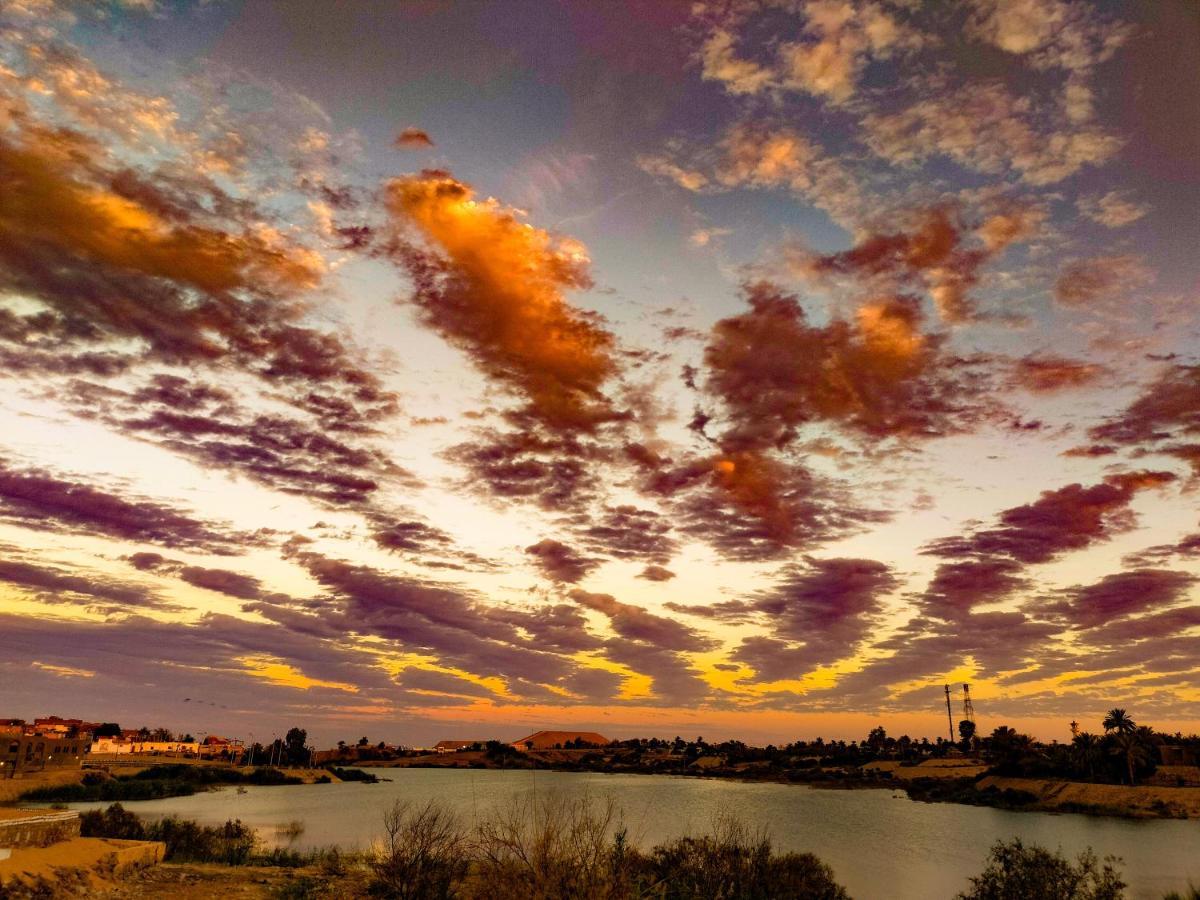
(578, 850)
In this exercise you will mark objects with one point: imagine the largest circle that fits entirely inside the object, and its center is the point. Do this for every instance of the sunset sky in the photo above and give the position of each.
(737, 369)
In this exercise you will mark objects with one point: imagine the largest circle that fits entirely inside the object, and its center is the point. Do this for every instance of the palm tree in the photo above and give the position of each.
(1129, 746)
(1008, 747)
(1119, 721)
(1086, 750)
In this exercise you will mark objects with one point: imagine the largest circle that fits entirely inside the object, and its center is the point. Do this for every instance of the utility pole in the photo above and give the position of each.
(949, 714)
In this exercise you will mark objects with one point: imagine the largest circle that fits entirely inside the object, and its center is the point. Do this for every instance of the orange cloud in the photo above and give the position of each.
(494, 286)
(54, 199)
(938, 252)
(1044, 374)
(413, 138)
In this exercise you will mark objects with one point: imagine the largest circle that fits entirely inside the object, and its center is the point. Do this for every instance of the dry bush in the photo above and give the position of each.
(550, 847)
(424, 855)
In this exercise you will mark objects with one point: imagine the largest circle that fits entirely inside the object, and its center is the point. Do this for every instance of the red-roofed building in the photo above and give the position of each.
(215, 745)
(561, 740)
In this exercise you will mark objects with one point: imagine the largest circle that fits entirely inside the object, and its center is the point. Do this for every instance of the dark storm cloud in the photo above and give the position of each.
(989, 564)
(627, 532)
(422, 543)
(656, 573)
(1187, 546)
(1069, 518)
(54, 585)
(214, 650)
(559, 562)
(557, 473)
(750, 506)
(440, 683)
(559, 627)
(35, 498)
(925, 649)
(815, 614)
(675, 681)
(207, 424)
(223, 581)
(1164, 419)
(1119, 596)
(420, 616)
(1170, 405)
(637, 624)
(956, 587)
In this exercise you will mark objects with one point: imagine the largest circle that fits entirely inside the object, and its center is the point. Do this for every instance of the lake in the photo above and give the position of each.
(881, 845)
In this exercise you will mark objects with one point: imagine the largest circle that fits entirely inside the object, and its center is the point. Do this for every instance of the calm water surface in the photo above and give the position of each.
(881, 845)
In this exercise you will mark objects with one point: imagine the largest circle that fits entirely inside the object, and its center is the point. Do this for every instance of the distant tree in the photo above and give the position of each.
(1129, 747)
(362, 741)
(294, 746)
(966, 731)
(143, 733)
(877, 738)
(1086, 751)
(1017, 872)
(108, 729)
(1119, 721)
(1009, 748)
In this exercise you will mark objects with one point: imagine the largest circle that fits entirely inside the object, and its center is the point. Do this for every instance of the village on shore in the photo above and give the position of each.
(1122, 770)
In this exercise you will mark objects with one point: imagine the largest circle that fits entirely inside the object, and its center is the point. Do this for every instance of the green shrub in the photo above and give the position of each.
(736, 863)
(1017, 872)
(114, 822)
(188, 841)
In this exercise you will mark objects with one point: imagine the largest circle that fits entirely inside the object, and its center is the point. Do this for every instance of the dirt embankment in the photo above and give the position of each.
(460, 760)
(930, 768)
(12, 788)
(1143, 801)
(79, 866)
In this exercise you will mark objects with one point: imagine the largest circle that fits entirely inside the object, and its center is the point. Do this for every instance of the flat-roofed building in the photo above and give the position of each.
(455, 746)
(21, 753)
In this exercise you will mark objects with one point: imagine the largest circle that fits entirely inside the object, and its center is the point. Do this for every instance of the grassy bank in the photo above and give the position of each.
(154, 783)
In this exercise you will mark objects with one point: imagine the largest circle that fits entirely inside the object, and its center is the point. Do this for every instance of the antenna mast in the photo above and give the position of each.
(949, 714)
(968, 706)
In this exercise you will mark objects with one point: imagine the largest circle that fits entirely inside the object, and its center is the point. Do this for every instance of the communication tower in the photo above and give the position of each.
(968, 706)
(949, 714)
